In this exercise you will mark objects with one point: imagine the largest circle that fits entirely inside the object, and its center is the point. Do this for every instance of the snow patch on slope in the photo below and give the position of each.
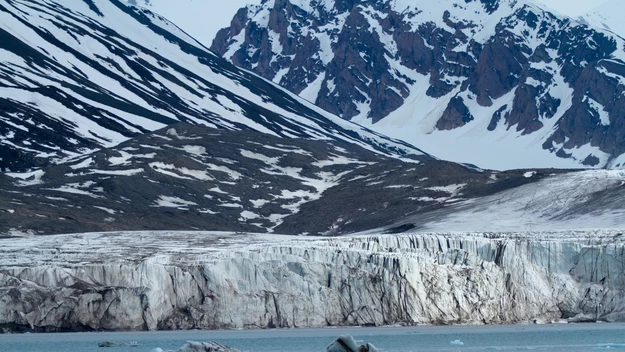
(578, 200)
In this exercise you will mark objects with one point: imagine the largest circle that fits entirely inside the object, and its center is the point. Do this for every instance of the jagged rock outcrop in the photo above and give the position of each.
(348, 344)
(289, 282)
(417, 70)
(115, 344)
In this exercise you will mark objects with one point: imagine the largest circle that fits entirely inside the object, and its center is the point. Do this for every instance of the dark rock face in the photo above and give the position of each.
(348, 344)
(350, 52)
(456, 115)
(362, 60)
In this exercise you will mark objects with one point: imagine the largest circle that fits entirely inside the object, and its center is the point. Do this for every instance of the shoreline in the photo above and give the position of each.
(354, 330)
(341, 330)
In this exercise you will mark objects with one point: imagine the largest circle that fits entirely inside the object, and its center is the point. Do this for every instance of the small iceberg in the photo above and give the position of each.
(609, 346)
(115, 344)
(193, 346)
(457, 343)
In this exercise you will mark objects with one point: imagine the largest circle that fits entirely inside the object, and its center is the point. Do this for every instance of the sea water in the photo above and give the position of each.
(551, 337)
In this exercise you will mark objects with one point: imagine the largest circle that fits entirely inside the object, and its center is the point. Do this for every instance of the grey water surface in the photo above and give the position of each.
(550, 337)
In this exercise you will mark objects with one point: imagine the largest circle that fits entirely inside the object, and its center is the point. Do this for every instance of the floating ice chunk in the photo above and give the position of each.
(457, 343)
(115, 344)
(192, 346)
(609, 346)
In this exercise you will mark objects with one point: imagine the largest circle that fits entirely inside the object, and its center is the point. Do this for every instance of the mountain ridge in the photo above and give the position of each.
(544, 89)
(606, 16)
(96, 123)
(192, 177)
(89, 76)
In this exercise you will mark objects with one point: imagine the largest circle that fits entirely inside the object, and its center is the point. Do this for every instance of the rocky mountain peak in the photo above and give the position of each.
(447, 75)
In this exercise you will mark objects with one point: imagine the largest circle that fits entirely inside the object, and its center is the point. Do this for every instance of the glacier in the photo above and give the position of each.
(217, 280)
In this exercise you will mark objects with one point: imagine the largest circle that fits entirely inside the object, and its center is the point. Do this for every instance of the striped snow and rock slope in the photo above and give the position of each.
(77, 76)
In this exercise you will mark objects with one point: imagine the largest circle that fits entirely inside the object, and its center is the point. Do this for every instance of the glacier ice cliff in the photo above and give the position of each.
(217, 280)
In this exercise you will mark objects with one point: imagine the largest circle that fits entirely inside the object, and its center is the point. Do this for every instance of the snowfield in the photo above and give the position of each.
(574, 201)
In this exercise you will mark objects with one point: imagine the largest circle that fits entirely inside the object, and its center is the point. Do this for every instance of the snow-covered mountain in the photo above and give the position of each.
(133, 125)
(192, 177)
(608, 16)
(77, 76)
(498, 83)
(95, 93)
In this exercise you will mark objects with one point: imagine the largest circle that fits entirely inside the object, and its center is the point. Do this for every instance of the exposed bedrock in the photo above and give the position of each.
(412, 279)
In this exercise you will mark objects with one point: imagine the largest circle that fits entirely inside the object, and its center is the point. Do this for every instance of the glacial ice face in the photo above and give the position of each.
(294, 282)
